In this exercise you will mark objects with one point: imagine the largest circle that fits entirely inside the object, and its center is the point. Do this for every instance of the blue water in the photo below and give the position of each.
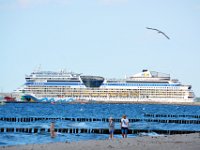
(23, 110)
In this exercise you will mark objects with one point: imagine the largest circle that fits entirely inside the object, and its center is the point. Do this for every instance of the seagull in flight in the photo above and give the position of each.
(158, 32)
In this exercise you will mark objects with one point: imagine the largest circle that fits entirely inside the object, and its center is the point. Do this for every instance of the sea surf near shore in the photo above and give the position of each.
(172, 142)
(29, 123)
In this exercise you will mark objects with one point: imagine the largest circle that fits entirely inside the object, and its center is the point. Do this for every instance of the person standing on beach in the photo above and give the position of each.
(52, 130)
(111, 127)
(124, 126)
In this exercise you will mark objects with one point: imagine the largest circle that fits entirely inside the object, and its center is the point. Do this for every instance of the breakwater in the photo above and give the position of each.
(89, 131)
(181, 120)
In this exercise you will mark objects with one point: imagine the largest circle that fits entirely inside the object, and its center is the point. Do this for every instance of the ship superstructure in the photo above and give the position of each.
(152, 86)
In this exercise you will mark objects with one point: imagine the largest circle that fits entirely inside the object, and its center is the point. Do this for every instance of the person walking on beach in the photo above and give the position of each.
(111, 127)
(52, 130)
(124, 126)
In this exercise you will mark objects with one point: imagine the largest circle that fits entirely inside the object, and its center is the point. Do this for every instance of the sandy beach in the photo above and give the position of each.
(172, 142)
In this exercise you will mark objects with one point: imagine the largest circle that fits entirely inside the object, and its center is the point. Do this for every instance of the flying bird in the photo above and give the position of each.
(158, 32)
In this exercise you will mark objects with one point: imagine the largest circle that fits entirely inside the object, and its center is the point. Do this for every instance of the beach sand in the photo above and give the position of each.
(168, 142)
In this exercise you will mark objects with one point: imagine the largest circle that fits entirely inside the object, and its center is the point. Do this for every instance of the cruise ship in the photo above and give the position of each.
(62, 86)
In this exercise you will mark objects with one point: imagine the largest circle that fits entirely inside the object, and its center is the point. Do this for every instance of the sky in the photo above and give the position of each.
(99, 37)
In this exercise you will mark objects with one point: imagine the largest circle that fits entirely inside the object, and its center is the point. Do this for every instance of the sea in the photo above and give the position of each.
(98, 111)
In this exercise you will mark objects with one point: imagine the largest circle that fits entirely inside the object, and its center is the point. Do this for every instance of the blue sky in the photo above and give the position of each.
(99, 37)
